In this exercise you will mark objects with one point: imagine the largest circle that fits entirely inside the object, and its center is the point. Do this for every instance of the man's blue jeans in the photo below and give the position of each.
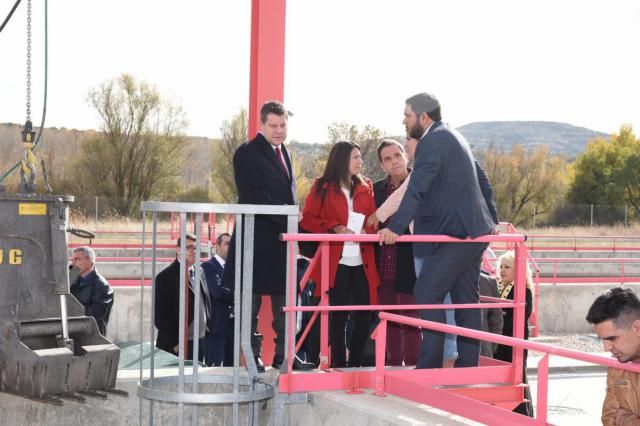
(450, 346)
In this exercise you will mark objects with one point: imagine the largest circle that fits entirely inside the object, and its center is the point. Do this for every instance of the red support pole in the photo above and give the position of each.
(268, 20)
(325, 359)
(543, 390)
(519, 296)
(536, 326)
(291, 302)
(380, 335)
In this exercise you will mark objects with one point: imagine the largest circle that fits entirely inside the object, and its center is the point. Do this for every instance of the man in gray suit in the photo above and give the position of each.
(448, 194)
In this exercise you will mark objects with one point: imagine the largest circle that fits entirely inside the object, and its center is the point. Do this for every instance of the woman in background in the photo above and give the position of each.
(507, 291)
(353, 277)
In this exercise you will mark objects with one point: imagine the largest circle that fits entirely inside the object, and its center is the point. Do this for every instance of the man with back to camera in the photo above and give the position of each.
(264, 174)
(90, 288)
(615, 316)
(448, 194)
(218, 349)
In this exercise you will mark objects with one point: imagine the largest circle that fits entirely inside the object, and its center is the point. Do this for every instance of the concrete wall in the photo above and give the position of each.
(128, 270)
(562, 308)
(124, 322)
(324, 408)
(586, 253)
(133, 270)
(115, 410)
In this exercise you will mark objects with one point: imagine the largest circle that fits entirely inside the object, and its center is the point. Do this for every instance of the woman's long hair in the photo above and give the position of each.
(336, 172)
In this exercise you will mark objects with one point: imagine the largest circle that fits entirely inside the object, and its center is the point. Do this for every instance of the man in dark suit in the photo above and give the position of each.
(218, 347)
(264, 174)
(167, 307)
(448, 194)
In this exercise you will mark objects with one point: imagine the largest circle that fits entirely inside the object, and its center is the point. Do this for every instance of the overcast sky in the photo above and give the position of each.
(346, 60)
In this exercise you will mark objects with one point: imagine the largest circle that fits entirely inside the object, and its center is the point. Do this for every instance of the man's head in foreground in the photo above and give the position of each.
(615, 316)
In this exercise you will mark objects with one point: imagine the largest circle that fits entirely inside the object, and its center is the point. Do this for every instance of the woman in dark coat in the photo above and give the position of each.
(507, 291)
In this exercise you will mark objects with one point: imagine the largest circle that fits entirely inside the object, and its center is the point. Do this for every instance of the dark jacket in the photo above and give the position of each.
(405, 270)
(491, 317)
(221, 297)
(261, 180)
(96, 295)
(167, 308)
(448, 194)
(504, 352)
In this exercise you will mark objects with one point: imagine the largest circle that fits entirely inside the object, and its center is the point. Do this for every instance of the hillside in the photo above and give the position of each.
(561, 138)
(61, 145)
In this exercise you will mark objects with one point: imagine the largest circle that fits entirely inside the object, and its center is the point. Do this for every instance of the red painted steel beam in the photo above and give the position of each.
(266, 80)
(456, 404)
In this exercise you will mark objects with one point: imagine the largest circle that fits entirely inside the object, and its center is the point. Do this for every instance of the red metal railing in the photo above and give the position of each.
(621, 261)
(467, 410)
(436, 387)
(211, 225)
(586, 243)
(353, 380)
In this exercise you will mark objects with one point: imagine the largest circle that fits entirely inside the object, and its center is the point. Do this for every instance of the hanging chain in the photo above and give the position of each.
(29, 60)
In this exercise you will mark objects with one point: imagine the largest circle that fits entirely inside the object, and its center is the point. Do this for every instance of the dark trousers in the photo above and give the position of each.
(350, 288)
(403, 341)
(452, 268)
(200, 349)
(310, 349)
(219, 347)
(278, 301)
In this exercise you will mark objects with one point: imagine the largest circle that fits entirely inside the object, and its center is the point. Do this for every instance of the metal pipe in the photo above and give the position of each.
(237, 297)
(80, 325)
(247, 308)
(154, 254)
(63, 314)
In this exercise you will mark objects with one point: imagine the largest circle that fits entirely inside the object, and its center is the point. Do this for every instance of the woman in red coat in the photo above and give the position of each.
(353, 277)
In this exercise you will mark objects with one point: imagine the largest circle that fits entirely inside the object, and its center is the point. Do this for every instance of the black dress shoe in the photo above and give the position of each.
(298, 364)
(259, 365)
(301, 365)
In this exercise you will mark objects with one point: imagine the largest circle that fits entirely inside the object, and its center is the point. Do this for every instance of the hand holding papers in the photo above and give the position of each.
(356, 221)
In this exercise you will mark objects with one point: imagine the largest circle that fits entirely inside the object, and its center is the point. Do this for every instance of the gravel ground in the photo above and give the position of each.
(580, 342)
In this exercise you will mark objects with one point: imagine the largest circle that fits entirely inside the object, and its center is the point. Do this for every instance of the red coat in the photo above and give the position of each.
(320, 218)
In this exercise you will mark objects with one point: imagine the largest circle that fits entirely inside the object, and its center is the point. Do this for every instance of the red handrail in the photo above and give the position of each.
(541, 414)
(290, 382)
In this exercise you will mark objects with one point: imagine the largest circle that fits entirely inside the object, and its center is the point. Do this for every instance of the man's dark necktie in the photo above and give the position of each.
(281, 161)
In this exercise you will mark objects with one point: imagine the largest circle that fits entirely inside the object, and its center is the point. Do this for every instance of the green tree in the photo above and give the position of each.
(605, 174)
(234, 133)
(139, 153)
(523, 180)
(629, 176)
(368, 139)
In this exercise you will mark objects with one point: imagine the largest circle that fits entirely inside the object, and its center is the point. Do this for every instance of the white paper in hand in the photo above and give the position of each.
(356, 221)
